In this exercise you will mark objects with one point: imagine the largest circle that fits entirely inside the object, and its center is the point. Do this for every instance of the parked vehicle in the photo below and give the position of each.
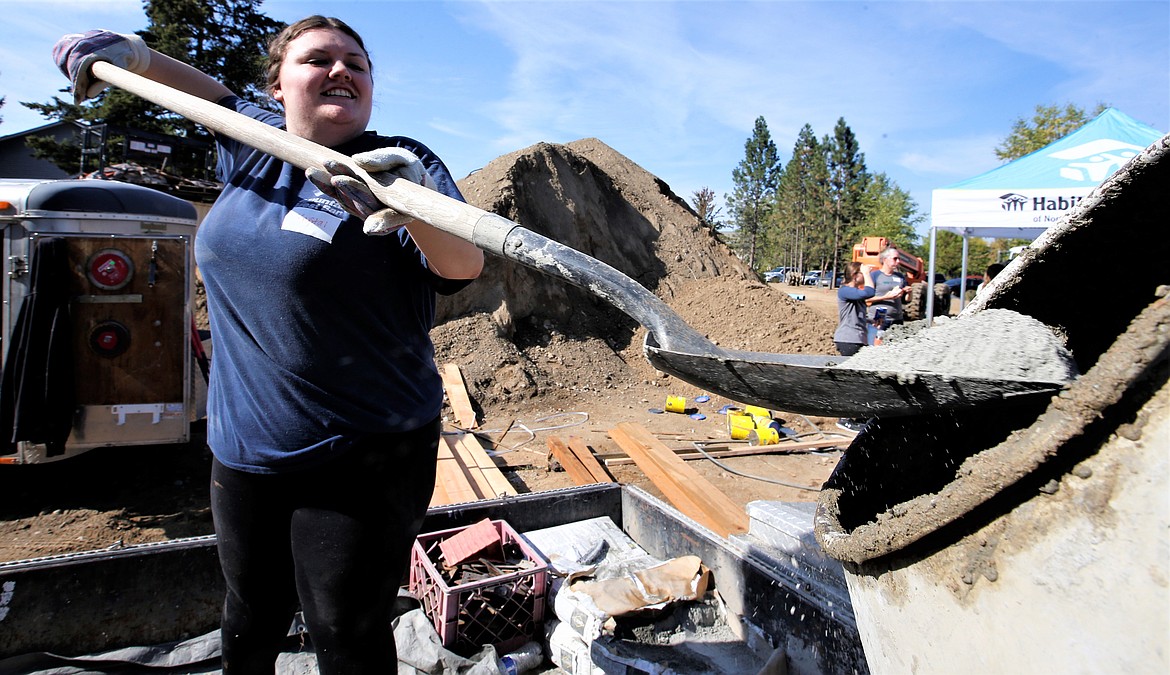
(973, 282)
(824, 280)
(813, 278)
(776, 275)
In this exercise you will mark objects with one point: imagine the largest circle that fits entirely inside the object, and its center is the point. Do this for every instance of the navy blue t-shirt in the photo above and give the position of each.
(320, 332)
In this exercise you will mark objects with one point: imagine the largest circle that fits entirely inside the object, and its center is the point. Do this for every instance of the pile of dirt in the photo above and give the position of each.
(520, 335)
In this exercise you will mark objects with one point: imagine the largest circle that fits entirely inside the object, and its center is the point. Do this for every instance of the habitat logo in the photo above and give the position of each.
(1015, 202)
(1095, 161)
(1012, 202)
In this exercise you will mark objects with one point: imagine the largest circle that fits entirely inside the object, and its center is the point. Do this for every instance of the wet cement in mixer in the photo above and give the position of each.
(997, 344)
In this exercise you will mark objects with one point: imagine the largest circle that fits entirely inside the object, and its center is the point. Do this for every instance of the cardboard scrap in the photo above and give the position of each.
(682, 578)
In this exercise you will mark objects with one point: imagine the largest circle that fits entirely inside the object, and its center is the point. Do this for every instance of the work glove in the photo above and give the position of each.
(337, 181)
(77, 52)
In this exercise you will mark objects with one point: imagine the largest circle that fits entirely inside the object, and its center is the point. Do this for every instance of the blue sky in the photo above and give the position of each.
(929, 88)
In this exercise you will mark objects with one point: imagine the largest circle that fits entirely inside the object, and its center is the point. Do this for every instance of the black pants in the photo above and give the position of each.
(336, 538)
(848, 348)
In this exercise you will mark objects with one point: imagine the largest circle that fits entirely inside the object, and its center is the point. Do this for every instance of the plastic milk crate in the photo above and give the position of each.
(504, 610)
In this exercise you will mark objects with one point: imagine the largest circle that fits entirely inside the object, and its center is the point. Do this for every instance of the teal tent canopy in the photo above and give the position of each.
(1024, 197)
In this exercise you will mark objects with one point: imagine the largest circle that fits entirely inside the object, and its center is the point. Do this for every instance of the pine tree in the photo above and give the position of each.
(889, 211)
(847, 181)
(224, 38)
(800, 203)
(755, 180)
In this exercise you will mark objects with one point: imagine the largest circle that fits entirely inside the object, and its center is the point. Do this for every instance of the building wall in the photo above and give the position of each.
(16, 158)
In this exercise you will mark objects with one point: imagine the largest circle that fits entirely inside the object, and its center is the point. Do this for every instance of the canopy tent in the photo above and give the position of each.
(1024, 197)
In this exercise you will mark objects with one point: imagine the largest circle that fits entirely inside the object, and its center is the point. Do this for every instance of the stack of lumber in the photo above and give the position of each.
(578, 461)
(683, 487)
(465, 472)
(721, 449)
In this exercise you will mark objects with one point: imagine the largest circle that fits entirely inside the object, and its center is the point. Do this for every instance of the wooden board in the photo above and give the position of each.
(577, 471)
(581, 450)
(472, 454)
(457, 396)
(687, 454)
(465, 472)
(683, 487)
(453, 484)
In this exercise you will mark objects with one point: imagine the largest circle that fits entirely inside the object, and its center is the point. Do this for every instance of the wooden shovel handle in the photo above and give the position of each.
(490, 232)
(486, 230)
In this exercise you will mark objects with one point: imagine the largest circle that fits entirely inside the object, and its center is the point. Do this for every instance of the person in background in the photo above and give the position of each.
(850, 335)
(992, 271)
(852, 321)
(890, 288)
(324, 398)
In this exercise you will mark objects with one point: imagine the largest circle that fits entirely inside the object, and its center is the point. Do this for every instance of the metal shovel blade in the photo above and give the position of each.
(812, 385)
(798, 383)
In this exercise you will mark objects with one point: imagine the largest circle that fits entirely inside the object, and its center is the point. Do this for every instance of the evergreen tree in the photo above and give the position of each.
(755, 180)
(847, 181)
(226, 39)
(801, 201)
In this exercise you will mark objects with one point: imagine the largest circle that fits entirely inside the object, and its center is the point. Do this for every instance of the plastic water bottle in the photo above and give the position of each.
(524, 659)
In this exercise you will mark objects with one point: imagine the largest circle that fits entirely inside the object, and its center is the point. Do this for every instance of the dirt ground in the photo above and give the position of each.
(539, 358)
(130, 495)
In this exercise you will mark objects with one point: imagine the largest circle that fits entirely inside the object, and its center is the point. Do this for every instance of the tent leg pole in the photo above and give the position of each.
(963, 276)
(930, 283)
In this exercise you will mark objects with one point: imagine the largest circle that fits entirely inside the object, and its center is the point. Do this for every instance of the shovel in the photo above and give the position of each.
(795, 383)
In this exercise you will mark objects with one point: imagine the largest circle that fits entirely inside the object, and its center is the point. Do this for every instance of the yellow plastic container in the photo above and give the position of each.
(763, 436)
(757, 411)
(739, 425)
(676, 404)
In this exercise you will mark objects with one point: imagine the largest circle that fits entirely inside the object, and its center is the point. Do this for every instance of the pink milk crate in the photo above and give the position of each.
(504, 610)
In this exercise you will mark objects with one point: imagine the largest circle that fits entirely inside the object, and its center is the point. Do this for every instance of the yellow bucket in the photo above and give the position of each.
(739, 426)
(676, 404)
(757, 411)
(763, 436)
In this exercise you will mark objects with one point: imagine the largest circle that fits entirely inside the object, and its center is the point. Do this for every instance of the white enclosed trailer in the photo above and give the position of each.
(97, 322)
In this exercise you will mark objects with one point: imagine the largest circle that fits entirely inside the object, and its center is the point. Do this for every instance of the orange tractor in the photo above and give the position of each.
(914, 269)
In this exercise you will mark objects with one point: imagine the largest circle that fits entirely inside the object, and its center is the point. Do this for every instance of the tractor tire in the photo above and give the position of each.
(914, 306)
(942, 300)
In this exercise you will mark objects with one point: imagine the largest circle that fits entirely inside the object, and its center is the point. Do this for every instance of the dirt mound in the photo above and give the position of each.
(520, 334)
